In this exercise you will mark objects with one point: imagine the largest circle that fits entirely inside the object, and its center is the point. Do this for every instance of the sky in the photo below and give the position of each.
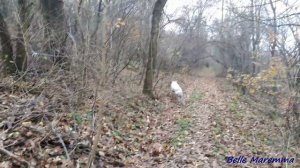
(176, 5)
(174, 8)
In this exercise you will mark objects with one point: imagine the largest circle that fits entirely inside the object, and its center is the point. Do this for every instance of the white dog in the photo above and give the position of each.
(176, 89)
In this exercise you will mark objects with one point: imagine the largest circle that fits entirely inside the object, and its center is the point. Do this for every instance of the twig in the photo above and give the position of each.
(64, 145)
(94, 107)
(60, 140)
(4, 151)
(93, 151)
(287, 146)
(97, 137)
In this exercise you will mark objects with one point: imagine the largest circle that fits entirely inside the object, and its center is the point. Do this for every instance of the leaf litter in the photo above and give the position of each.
(136, 131)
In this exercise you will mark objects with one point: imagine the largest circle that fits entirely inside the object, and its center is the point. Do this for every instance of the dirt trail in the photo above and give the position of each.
(203, 100)
(224, 123)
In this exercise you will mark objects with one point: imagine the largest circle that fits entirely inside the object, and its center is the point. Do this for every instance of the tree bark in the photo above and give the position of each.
(55, 30)
(255, 36)
(274, 25)
(98, 20)
(7, 48)
(156, 18)
(21, 54)
(103, 41)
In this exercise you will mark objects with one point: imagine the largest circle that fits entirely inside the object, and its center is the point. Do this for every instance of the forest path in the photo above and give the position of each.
(218, 122)
(204, 98)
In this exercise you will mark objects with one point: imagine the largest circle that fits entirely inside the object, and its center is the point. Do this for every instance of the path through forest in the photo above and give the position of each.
(222, 125)
(203, 96)
(137, 131)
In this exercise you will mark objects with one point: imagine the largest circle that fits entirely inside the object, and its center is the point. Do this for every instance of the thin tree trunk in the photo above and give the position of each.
(274, 33)
(103, 42)
(156, 17)
(254, 53)
(98, 20)
(21, 55)
(222, 19)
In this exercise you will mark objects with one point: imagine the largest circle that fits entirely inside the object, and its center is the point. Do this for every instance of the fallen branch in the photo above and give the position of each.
(64, 145)
(97, 136)
(53, 124)
(6, 152)
(94, 147)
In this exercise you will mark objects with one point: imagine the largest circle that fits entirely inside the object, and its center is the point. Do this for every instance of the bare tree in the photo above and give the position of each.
(156, 17)
(98, 20)
(7, 48)
(21, 53)
(255, 13)
(54, 19)
(274, 26)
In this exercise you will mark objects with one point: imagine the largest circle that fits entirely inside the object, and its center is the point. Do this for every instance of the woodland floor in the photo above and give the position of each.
(222, 123)
(214, 123)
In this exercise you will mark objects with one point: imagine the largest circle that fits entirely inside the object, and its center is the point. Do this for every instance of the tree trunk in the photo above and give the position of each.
(103, 41)
(7, 48)
(55, 31)
(274, 25)
(253, 26)
(98, 20)
(156, 17)
(21, 54)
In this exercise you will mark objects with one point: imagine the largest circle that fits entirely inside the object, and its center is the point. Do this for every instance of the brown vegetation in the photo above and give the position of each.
(87, 83)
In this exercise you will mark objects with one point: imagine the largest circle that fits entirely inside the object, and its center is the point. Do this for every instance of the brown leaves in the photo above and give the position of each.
(156, 149)
(135, 131)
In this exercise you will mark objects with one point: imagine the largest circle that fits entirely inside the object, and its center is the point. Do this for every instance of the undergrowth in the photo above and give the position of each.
(184, 126)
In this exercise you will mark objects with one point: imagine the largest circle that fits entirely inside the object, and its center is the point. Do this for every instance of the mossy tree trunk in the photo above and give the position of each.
(21, 54)
(24, 23)
(6, 48)
(55, 29)
(156, 18)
